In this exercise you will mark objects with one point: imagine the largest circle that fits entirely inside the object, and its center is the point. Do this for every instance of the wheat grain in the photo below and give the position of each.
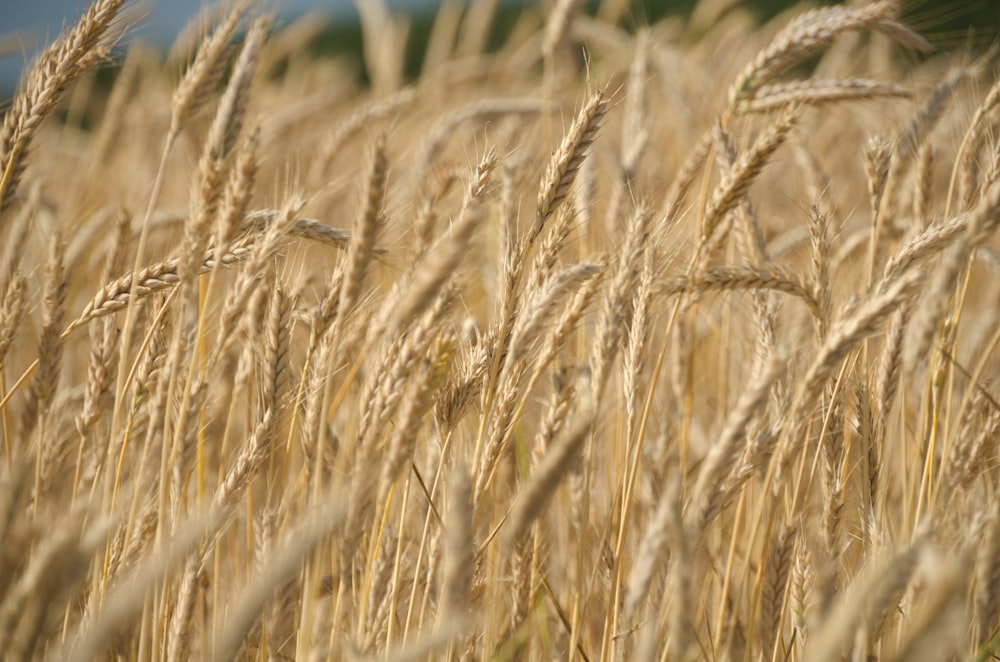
(50, 344)
(652, 397)
(565, 162)
(205, 72)
(76, 52)
(812, 31)
(819, 91)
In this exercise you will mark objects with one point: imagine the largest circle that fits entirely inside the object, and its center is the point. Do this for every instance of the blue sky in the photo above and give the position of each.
(37, 22)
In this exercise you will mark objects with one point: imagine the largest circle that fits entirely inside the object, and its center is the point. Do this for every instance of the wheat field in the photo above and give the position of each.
(669, 341)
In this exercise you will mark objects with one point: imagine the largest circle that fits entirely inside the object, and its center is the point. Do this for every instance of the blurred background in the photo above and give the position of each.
(28, 25)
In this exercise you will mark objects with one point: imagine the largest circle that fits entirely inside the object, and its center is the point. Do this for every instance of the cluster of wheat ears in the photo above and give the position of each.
(661, 343)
